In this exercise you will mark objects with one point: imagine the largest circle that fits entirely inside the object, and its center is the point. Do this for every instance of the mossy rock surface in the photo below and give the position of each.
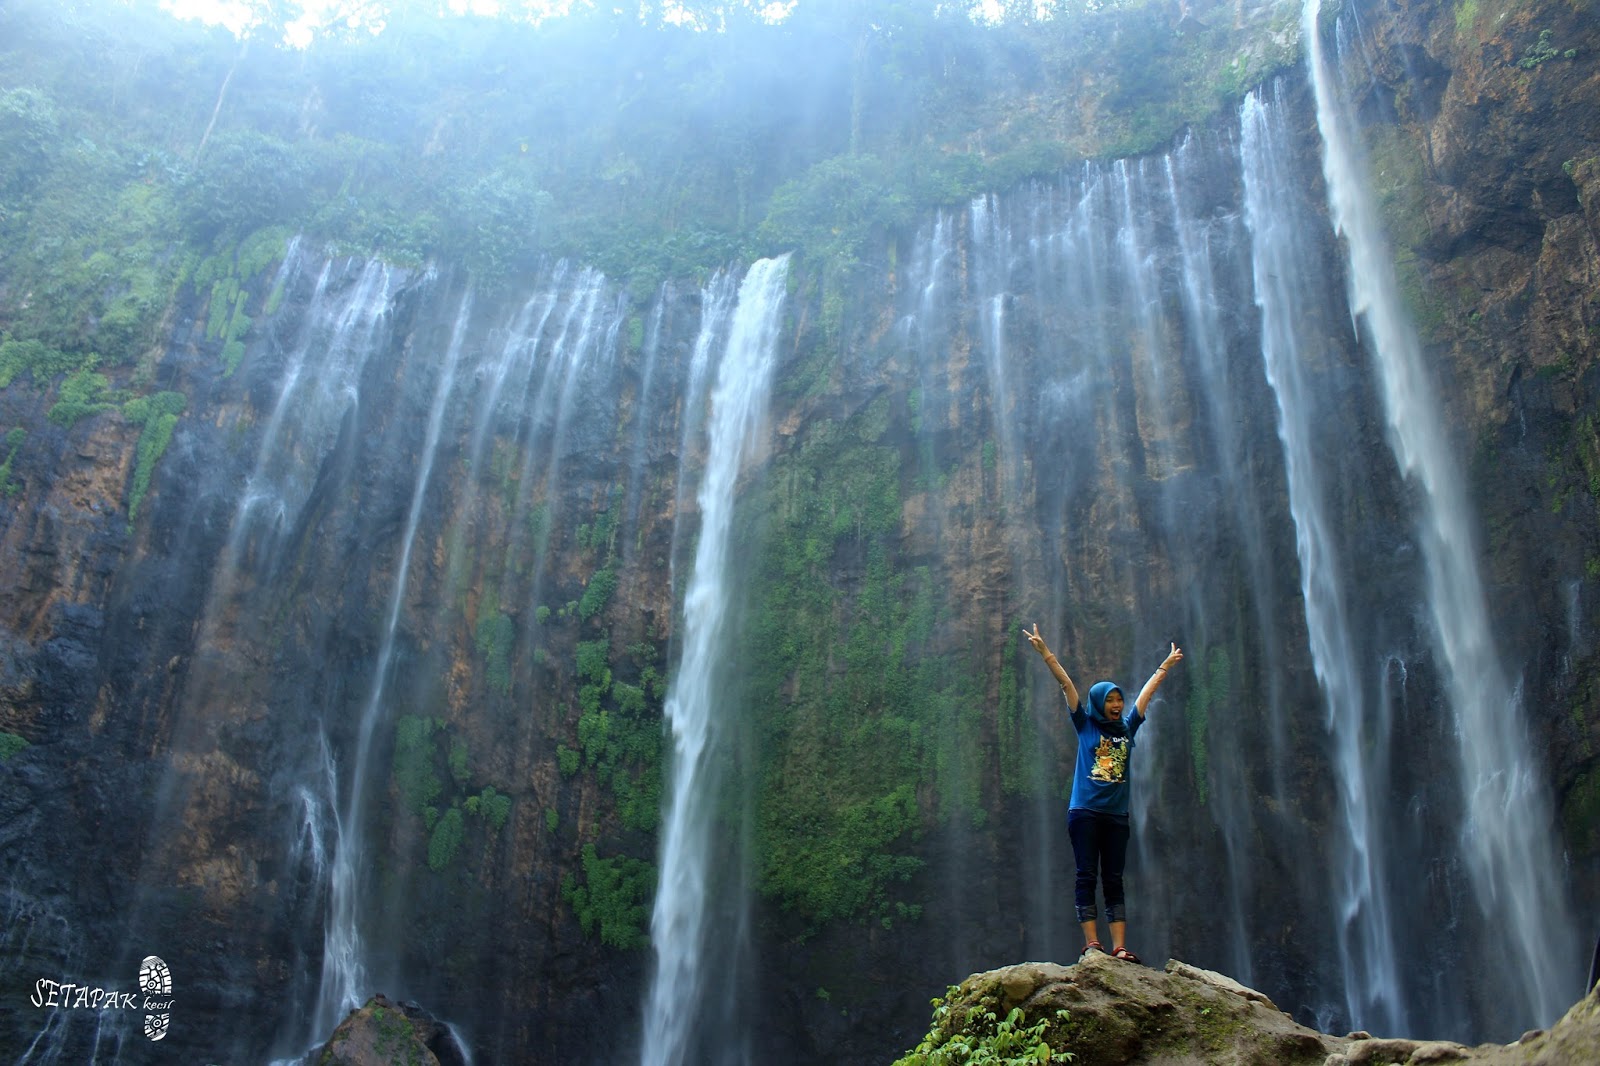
(1122, 1014)
(385, 1033)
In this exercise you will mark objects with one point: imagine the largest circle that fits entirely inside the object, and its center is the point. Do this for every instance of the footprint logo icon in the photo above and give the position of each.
(155, 981)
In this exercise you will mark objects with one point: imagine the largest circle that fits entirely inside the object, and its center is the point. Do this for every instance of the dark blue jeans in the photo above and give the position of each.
(1100, 848)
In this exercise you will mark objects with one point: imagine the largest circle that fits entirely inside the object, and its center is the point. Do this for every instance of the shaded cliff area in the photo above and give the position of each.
(349, 492)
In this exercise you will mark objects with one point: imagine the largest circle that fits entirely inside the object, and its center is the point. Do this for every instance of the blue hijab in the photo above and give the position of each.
(1097, 709)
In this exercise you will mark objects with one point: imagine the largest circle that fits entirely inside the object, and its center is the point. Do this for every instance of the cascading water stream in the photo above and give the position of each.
(319, 388)
(1206, 341)
(650, 355)
(549, 410)
(344, 962)
(692, 711)
(1508, 829)
(716, 308)
(1086, 266)
(1364, 929)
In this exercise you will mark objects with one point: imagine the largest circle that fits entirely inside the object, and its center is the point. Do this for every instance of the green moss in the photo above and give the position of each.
(1540, 52)
(1586, 443)
(1017, 740)
(602, 583)
(223, 294)
(418, 754)
(419, 784)
(13, 443)
(496, 637)
(458, 763)
(859, 709)
(158, 414)
(262, 249)
(1580, 814)
(568, 760)
(274, 299)
(82, 394)
(38, 360)
(446, 839)
(494, 807)
(972, 1033)
(612, 898)
(619, 735)
(1209, 688)
(11, 744)
(593, 661)
(232, 356)
(833, 212)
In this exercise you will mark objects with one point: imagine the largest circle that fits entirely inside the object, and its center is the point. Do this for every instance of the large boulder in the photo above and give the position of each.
(1103, 1012)
(383, 1033)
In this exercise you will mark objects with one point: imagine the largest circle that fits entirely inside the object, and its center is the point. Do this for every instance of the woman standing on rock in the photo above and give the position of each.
(1097, 820)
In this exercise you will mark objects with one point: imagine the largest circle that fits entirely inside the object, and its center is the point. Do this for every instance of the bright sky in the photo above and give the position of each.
(235, 14)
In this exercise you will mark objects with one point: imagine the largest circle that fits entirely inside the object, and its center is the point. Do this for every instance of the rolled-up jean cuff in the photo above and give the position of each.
(1115, 912)
(1087, 914)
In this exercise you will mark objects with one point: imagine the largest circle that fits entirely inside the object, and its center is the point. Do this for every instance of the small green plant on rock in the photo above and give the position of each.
(158, 414)
(984, 1039)
(13, 442)
(82, 395)
(612, 898)
(10, 744)
(1542, 51)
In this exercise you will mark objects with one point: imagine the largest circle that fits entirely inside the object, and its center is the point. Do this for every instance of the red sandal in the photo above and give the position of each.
(1125, 955)
(1092, 947)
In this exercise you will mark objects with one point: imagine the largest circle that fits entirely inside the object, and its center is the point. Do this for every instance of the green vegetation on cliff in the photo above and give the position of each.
(158, 414)
(977, 1037)
(863, 715)
(612, 898)
(10, 744)
(13, 443)
(619, 733)
(419, 749)
(157, 138)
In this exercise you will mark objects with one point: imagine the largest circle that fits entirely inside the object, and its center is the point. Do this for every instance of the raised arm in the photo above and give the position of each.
(1068, 689)
(1174, 657)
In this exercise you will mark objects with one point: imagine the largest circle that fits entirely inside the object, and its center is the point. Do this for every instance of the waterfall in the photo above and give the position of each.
(320, 386)
(1200, 237)
(548, 411)
(643, 410)
(519, 357)
(1364, 929)
(678, 924)
(344, 978)
(1508, 828)
(716, 308)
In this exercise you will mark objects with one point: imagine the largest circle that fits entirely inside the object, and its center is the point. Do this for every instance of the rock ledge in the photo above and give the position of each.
(1121, 1014)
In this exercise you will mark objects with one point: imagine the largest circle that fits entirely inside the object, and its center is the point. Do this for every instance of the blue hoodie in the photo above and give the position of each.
(1100, 779)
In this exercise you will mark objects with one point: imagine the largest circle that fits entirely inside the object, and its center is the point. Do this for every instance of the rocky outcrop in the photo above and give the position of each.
(384, 1032)
(1102, 1012)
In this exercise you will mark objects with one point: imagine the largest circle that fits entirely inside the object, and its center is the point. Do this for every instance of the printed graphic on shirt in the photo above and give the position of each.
(1110, 761)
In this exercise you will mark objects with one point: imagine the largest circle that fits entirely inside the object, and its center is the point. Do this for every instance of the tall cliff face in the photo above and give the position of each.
(362, 690)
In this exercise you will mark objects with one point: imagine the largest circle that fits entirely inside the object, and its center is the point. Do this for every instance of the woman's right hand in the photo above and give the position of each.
(1036, 640)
